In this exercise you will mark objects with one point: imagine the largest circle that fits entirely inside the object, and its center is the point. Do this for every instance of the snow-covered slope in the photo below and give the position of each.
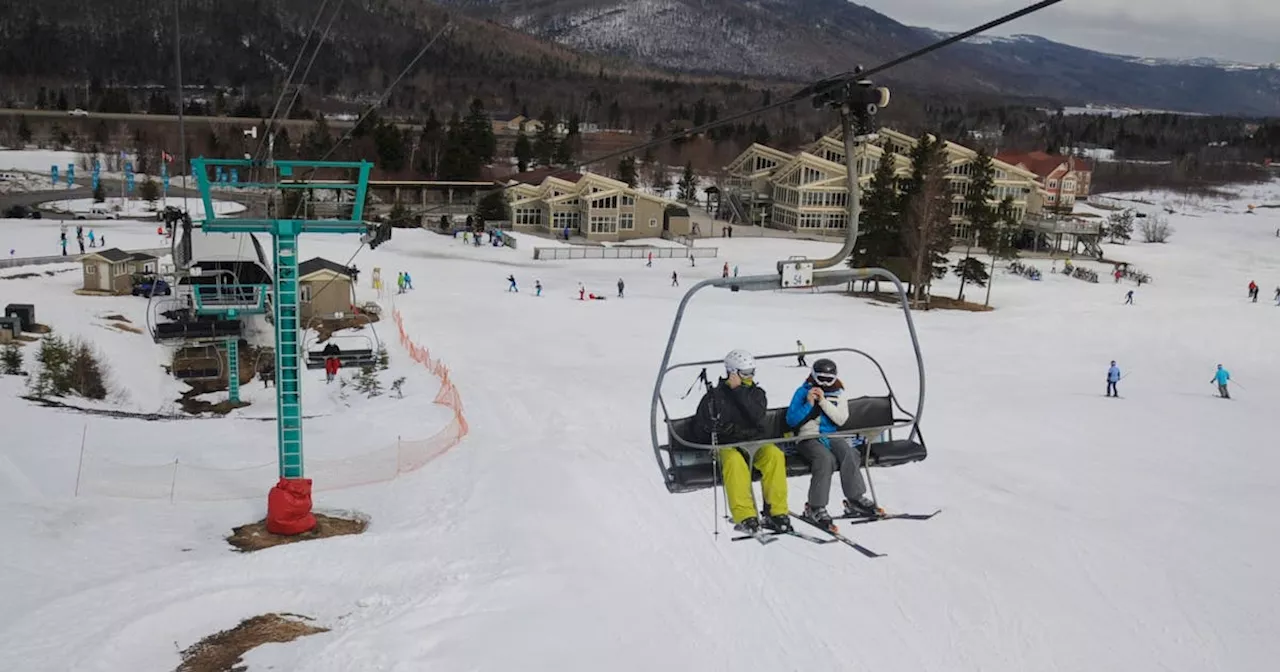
(1079, 532)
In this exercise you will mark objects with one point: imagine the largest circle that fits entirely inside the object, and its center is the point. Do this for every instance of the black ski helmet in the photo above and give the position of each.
(824, 372)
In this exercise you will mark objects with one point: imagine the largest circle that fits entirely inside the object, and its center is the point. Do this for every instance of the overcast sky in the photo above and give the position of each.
(1241, 30)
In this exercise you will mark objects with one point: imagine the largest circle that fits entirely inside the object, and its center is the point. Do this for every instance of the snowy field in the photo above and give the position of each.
(40, 237)
(1079, 533)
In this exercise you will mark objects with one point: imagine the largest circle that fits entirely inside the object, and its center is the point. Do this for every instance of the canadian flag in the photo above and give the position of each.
(166, 157)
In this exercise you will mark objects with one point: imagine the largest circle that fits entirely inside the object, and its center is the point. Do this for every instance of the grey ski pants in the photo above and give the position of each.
(824, 463)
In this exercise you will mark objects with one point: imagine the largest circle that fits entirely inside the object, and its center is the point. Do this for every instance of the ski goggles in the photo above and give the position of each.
(746, 374)
(825, 379)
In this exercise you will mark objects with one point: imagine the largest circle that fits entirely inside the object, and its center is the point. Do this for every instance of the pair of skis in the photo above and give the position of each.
(766, 537)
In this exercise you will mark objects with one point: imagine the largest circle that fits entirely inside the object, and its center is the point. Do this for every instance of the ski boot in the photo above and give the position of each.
(862, 508)
(819, 516)
(778, 524)
(750, 526)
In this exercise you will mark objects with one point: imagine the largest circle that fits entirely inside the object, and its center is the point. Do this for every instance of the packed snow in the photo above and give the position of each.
(1078, 532)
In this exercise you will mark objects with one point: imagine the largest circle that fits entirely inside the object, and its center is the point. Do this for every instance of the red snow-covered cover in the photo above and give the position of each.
(289, 507)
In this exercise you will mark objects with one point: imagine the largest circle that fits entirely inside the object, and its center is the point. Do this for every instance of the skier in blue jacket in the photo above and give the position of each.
(817, 409)
(1221, 376)
(1113, 377)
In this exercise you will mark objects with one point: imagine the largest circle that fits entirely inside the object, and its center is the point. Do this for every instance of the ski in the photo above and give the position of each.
(836, 536)
(761, 536)
(858, 520)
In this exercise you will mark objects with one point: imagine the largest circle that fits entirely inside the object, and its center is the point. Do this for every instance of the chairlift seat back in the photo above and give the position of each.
(692, 468)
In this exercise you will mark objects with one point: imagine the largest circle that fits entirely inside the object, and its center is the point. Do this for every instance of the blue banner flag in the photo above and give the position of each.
(71, 175)
(53, 171)
(96, 169)
(235, 176)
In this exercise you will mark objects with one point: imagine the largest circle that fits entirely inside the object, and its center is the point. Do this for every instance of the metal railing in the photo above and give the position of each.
(212, 299)
(558, 253)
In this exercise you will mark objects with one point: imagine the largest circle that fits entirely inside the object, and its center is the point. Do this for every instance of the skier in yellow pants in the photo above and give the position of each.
(733, 412)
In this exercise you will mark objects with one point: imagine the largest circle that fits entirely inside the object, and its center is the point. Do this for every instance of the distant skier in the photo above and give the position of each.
(800, 354)
(537, 288)
(1128, 298)
(621, 287)
(582, 292)
(692, 262)
(650, 264)
(724, 273)
(675, 279)
(64, 244)
(91, 237)
(400, 282)
(816, 409)
(408, 281)
(735, 267)
(1113, 377)
(512, 287)
(1221, 376)
(1253, 291)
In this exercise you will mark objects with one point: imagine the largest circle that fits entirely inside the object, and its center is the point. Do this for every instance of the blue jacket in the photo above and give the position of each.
(1113, 374)
(801, 412)
(1222, 376)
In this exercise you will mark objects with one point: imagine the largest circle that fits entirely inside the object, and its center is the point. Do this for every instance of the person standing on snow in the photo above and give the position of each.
(621, 286)
(675, 279)
(537, 288)
(582, 292)
(735, 267)
(724, 272)
(816, 409)
(1128, 298)
(732, 412)
(650, 264)
(1113, 377)
(800, 353)
(1253, 291)
(408, 281)
(512, 287)
(1221, 376)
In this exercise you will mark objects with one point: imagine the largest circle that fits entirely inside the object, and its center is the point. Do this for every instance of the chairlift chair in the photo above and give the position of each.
(348, 357)
(688, 466)
(196, 368)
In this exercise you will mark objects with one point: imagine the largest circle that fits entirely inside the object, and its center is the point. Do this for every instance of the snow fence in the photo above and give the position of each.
(99, 475)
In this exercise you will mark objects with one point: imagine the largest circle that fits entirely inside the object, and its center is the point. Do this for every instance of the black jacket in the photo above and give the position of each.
(741, 412)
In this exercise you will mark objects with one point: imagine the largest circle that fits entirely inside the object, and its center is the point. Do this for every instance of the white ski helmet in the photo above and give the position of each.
(741, 362)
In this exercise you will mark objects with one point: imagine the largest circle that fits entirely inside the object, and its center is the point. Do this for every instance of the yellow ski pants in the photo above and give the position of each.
(737, 481)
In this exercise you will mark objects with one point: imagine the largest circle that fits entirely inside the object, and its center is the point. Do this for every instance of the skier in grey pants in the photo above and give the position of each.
(817, 409)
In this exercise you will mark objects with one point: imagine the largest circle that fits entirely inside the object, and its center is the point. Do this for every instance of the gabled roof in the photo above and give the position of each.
(114, 255)
(813, 161)
(756, 149)
(538, 175)
(142, 256)
(316, 264)
(1040, 163)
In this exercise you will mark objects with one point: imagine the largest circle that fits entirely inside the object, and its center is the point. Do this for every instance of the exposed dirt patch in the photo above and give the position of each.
(117, 318)
(33, 274)
(255, 537)
(325, 328)
(935, 303)
(194, 406)
(92, 292)
(37, 328)
(221, 652)
(122, 326)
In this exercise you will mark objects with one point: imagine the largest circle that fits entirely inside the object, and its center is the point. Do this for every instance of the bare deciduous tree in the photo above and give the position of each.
(1156, 229)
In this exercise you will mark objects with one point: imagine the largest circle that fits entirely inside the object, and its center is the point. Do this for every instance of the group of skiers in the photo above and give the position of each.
(403, 282)
(733, 412)
(80, 236)
(1254, 289)
(1221, 376)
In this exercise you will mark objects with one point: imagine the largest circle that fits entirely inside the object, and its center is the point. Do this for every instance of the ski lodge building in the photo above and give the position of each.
(806, 191)
(594, 206)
